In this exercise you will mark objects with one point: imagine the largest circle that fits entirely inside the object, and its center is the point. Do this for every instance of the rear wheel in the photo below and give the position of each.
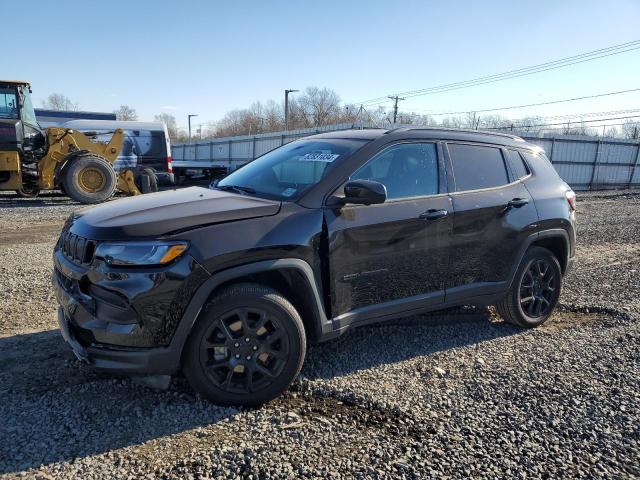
(88, 178)
(28, 192)
(535, 289)
(246, 348)
(146, 181)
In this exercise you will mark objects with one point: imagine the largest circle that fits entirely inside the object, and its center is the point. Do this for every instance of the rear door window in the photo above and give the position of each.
(518, 167)
(476, 167)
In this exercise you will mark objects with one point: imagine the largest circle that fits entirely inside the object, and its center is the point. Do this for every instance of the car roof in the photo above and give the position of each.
(435, 133)
(364, 134)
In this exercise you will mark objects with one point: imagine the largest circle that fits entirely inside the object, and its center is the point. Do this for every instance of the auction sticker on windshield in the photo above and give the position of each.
(319, 157)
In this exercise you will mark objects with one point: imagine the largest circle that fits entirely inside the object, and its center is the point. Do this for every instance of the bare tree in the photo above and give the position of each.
(58, 101)
(125, 112)
(631, 129)
(170, 121)
(317, 106)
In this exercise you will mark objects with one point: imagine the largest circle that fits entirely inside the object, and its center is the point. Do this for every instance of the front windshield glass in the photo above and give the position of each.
(8, 102)
(287, 172)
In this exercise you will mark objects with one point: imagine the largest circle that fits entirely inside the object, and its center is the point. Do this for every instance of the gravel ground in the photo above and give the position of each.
(439, 395)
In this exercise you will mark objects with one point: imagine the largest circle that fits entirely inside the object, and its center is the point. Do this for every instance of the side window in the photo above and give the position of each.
(518, 166)
(407, 170)
(8, 103)
(476, 167)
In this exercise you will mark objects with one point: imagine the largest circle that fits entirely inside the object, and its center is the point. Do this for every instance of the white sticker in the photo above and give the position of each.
(288, 192)
(319, 157)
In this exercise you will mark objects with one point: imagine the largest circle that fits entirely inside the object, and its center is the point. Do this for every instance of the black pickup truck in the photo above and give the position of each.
(337, 230)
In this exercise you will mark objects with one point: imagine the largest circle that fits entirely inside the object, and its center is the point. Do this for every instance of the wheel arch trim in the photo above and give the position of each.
(534, 237)
(205, 290)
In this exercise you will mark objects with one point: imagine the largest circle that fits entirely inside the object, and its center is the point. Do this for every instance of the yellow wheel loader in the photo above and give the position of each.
(34, 159)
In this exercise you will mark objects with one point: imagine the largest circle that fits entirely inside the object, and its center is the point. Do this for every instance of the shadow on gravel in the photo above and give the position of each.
(391, 342)
(52, 198)
(54, 409)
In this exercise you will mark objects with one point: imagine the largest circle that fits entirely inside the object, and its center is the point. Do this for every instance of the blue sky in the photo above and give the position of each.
(208, 57)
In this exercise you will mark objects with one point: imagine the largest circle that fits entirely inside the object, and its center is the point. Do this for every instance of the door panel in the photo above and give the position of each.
(487, 236)
(490, 220)
(388, 252)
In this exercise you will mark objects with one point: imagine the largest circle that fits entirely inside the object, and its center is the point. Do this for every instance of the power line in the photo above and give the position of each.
(564, 123)
(513, 107)
(552, 65)
(592, 114)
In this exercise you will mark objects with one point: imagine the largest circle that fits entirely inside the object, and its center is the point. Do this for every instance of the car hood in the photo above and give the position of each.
(157, 214)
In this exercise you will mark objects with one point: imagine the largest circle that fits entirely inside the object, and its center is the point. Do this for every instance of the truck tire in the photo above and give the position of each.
(89, 178)
(246, 347)
(28, 192)
(146, 181)
(535, 289)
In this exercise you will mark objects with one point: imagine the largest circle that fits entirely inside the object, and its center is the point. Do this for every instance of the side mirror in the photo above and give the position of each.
(364, 192)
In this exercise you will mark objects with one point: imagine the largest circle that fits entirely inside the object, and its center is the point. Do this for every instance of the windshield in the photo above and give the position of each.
(28, 113)
(287, 172)
(8, 102)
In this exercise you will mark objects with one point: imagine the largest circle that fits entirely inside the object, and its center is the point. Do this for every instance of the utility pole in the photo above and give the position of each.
(189, 119)
(286, 108)
(396, 99)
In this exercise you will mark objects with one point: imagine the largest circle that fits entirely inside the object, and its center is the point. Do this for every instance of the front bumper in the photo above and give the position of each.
(124, 320)
(162, 361)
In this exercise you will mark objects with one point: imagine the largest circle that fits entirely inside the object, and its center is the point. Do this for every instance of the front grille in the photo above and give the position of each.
(65, 282)
(76, 248)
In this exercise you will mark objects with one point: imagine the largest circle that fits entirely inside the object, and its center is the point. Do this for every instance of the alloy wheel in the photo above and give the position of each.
(538, 288)
(244, 350)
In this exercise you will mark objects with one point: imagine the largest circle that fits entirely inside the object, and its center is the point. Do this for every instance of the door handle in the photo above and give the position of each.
(517, 202)
(433, 214)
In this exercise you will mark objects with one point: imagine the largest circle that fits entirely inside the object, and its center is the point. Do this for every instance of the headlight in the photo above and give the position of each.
(140, 253)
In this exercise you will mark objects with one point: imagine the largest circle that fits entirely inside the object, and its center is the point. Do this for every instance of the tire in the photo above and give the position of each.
(32, 192)
(147, 181)
(246, 347)
(89, 178)
(535, 289)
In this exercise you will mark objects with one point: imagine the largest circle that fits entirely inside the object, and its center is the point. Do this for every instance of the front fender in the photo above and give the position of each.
(322, 325)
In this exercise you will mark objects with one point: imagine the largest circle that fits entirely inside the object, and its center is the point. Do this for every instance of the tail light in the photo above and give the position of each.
(571, 198)
(169, 164)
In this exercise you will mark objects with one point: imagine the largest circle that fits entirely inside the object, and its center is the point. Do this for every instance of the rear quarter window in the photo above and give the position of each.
(476, 167)
(518, 167)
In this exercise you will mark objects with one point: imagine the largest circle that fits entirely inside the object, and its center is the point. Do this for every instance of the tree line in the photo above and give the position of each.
(315, 107)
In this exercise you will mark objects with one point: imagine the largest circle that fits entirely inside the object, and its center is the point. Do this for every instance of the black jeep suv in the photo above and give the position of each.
(325, 233)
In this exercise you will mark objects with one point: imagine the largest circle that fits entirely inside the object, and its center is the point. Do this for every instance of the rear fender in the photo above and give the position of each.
(533, 238)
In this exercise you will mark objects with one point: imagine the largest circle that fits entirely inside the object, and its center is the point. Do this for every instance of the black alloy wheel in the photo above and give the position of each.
(246, 347)
(534, 291)
(244, 350)
(538, 288)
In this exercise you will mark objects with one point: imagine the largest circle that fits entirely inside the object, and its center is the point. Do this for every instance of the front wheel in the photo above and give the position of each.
(246, 347)
(535, 289)
(89, 178)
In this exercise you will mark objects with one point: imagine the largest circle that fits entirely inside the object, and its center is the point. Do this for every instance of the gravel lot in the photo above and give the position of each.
(440, 395)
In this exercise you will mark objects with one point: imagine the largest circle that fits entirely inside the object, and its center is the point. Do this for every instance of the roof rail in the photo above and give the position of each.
(465, 130)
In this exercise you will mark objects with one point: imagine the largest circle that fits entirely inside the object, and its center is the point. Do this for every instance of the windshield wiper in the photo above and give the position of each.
(236, 188)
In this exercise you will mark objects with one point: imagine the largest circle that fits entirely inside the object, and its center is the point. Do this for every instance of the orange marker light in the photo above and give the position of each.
(174, 252)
